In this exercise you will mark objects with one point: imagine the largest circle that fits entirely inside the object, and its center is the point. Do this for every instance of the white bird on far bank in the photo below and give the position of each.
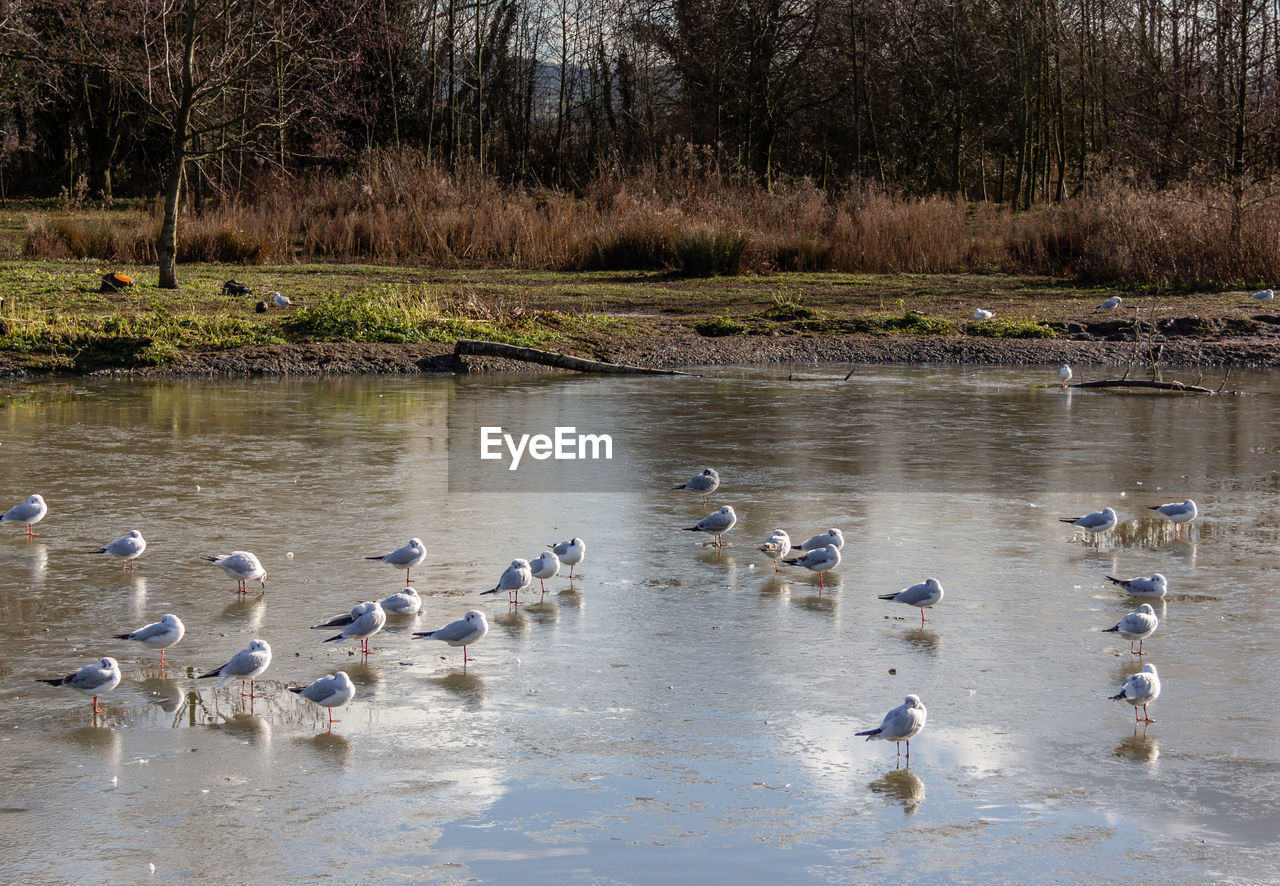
(129, 548)
(1140, 689)
(983, 314)
(281, 301)
(1110, 304)
(158, 635)
(31, 512)
(1264, 295)
(1064, 374)
(1136, 626)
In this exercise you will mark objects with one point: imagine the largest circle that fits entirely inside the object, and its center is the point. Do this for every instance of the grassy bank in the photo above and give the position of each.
(53, 317)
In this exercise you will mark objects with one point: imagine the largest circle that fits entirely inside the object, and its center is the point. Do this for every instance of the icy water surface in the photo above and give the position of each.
(677, 713)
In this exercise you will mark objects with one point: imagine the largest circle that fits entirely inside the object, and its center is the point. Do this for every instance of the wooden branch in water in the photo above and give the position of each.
(472, 348)
(1157, 385)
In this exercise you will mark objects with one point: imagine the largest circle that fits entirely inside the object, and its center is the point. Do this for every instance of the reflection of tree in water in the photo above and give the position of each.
(514, 622)
(903, 786)
(165, 694)
(1148, 532)
(1140, 748)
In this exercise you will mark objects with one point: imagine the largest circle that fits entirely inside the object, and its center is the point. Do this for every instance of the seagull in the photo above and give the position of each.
(469, 629)
(31, 512)
(571, 552)
(1097, 523)
(1264, 295)
(1155, 586)
(903, 723)
(95, 679)
(926, 595)
(815, 542)
(406, 602)
(818, 561)
(405, 557)
(1110, 304)
(983, 314)
(364, 620)
(545, 565)
(159, 634)
(777, 546)
(1178, 512)
(1136, 626)
(514, 579)
(130, 548)
(243, 566)
(717, 523)
(707, 482)
(1141, 688)
(1064, 374)
(330, 691)
(247, 664)
(280, 301)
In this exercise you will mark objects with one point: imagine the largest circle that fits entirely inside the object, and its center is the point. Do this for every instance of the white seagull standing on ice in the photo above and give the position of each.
(330, 691)
(1177, 512)
(364, 620)
(1064, 374)
(777, 546)
(819, 561)
(471, 628)
(717, 523)
(31, 512)
(158, 635)
(1141, 688)
(247, 664)
(1097, 523)
(95, 679)
(925, 595)
(571, 552)
(243, 566)
(405, 557)
(406, 602)
(903, 723)
(817, 542)
(1155, 586)
(1136, 626)
(514, 579)
(129, 548)
(546, 565)
(707, 482)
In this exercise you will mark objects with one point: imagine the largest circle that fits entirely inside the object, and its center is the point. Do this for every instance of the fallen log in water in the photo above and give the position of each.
(472, 348)
(1157, 385)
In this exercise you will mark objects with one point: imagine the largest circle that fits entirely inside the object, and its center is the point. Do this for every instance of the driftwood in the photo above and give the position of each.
(1157, 385)
(473, 348)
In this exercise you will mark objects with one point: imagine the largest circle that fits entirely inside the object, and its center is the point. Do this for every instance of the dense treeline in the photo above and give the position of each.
(1013, 101)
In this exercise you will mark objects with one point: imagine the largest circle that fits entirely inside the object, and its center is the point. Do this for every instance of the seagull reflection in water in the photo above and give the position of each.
(246, 609)
(1140, 747)
(903, 786)
(928, 641)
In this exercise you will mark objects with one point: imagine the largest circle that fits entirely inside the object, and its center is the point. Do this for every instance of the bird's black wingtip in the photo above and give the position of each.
(1114, 630)
(1068, 519)
(885, 596)
(423, 633)
(490, 591)
(120, 636)
(1117, 697)
(870, 733)
(334, 637)
(373, 558)
(296, 689)
(57, 682)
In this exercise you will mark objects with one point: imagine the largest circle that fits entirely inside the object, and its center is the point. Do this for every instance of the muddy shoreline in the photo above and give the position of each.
(682, 351)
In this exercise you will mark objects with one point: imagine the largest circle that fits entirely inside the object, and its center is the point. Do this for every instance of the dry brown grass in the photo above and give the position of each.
(688, 215)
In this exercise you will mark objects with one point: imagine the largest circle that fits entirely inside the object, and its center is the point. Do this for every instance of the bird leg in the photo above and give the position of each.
(30, 534)
(96, 710)
(922, 618)
(1145, 718)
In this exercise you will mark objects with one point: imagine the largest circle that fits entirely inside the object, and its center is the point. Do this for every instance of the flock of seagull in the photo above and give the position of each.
(1110, 304)
(818, 554)
(821, 553)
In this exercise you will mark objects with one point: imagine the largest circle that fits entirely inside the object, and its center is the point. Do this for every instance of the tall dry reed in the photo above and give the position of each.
(687, 214)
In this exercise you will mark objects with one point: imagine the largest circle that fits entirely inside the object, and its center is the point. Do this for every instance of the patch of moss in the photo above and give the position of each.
(720, 326)
(1000, 327)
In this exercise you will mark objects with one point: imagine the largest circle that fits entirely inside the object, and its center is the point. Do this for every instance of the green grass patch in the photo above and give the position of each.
(910, 323)
(999, 327)
(786, 309)
(717, 327)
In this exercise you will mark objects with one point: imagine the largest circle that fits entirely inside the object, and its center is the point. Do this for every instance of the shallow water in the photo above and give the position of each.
(678, 712)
